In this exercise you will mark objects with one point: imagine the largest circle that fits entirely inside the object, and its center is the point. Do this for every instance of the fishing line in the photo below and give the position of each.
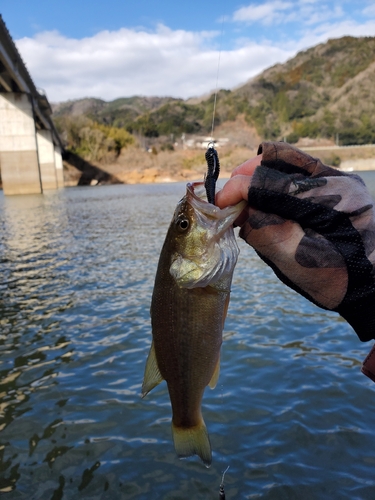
(212, 157)
(217, 79)
(213, 170)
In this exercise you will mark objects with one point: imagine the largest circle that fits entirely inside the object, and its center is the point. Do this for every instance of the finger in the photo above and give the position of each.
(248, 167)
(234, 191)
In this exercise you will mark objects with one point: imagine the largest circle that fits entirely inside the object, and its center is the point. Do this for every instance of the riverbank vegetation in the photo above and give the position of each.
(91, 140)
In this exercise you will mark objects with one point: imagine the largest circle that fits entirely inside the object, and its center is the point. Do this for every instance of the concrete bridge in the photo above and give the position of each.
(30, 147)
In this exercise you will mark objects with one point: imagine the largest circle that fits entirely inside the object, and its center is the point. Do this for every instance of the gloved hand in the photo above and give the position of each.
(314, 226)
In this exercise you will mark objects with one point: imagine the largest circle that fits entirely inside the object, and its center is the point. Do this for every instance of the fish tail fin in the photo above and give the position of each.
(190, 441)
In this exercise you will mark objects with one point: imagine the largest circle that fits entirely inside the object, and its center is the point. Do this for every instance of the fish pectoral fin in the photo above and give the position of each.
(152, 376)
(190, 441)
(215, 376)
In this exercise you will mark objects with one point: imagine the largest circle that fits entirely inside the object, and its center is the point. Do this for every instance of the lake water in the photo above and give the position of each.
(291, 415)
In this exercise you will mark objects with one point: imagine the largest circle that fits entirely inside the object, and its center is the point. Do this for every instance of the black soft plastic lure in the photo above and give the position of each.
(213, 170)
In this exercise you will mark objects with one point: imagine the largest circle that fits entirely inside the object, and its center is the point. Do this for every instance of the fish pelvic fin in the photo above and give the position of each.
(190, 441)
(215, 376)
(152, 376)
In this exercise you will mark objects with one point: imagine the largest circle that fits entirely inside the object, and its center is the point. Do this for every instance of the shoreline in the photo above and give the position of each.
(137, 166)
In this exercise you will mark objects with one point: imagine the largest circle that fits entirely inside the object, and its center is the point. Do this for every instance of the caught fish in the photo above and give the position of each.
(188, 309)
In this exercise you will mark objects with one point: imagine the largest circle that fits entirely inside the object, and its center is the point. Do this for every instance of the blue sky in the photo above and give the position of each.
(142, 47)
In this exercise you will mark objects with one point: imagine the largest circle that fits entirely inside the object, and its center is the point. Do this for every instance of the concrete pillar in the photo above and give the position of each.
(59, 167)
(18, 146)
(46, 153)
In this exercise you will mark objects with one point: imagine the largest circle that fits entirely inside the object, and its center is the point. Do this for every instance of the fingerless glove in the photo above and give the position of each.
(315, 227)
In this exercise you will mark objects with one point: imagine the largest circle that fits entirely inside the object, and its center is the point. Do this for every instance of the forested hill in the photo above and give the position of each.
(323, 91)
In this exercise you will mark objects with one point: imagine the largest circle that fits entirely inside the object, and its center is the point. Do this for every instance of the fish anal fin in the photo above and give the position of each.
(226, 305)
(215, 376)
(190, 441)
(152, 376)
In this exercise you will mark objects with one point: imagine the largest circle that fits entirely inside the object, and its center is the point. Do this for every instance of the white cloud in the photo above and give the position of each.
(281, 12)
(137, 62)
(183, 63)
(323, 32)
(266, 13)
(369, 10)
(300, 24)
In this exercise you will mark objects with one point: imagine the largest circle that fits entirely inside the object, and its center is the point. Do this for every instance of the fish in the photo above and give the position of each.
(188, 309)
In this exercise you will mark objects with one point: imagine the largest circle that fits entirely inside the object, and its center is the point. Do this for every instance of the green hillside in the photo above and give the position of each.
(324, 91)
(321, 92)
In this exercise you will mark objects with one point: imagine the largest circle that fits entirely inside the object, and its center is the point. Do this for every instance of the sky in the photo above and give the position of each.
(121, 48)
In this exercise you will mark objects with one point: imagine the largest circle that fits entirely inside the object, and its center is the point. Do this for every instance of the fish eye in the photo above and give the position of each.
(183, 224)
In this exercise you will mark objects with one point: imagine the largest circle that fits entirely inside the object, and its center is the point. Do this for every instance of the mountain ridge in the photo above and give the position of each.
(325, 91)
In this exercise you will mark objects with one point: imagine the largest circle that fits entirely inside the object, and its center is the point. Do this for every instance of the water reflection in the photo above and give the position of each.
(291, 415)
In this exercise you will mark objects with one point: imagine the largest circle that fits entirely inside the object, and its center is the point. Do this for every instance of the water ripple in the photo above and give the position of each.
(291, 414)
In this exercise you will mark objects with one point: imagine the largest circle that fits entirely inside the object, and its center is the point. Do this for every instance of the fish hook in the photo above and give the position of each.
(221, 491)
(213, 170)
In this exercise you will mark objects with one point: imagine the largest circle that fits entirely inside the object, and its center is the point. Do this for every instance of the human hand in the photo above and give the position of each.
(314, 226)
(236, 189)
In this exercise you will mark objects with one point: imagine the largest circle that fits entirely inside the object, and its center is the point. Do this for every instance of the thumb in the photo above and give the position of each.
(234, 191)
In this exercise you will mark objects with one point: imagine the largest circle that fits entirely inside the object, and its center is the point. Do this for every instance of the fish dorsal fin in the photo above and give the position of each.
(152, 376)
(215, 377)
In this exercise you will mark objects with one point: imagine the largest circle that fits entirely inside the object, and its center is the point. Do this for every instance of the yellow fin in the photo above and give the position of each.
(152, 376)
(190, 441)
(215, 376)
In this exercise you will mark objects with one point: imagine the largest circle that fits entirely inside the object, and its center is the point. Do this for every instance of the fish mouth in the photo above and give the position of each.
(196, 196)
(197, 191)
(212, 260)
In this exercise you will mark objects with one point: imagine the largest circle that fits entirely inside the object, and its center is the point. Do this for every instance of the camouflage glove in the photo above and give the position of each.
(315, 227)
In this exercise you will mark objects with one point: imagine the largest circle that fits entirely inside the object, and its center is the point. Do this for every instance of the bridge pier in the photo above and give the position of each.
(29, 161)
(19, 161)
(46, 156)
(59, 167)
(30, 146)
